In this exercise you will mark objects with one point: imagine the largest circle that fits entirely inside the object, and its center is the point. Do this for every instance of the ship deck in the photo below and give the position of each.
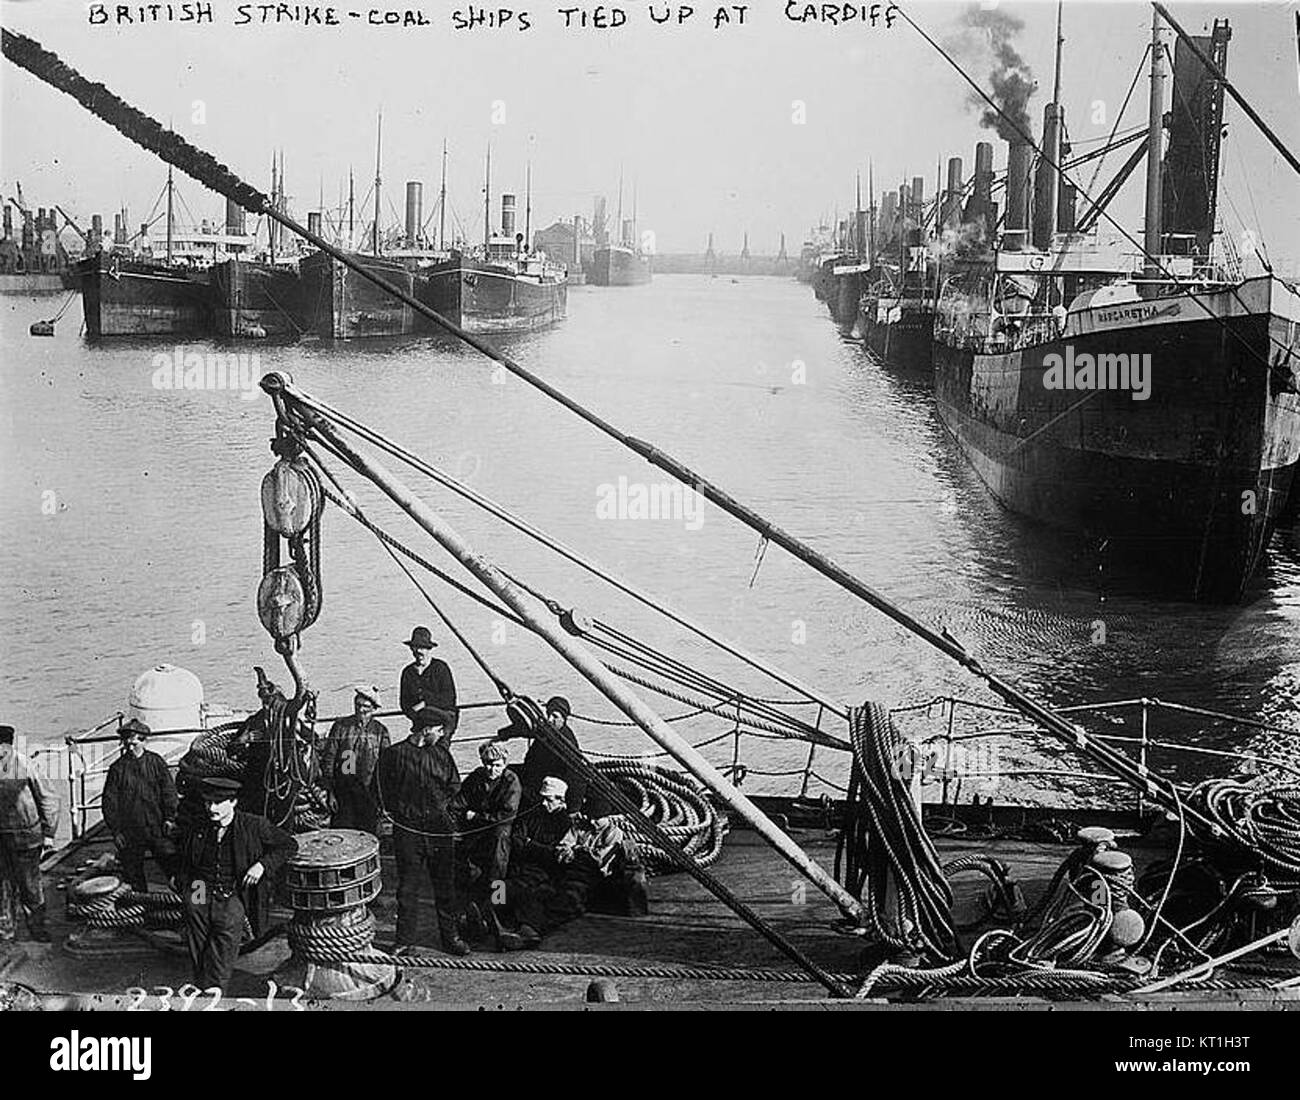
(686, 928)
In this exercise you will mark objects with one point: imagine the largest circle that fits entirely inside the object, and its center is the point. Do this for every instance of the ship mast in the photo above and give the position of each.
(1052, 139)
(379, 138)
(351, 209)
(1155, 124)
(487, 205)
(169, 213)
(620, 206)
(528, 204)
(861, 242)
(633, 242)
(272, 226)
(442, 201)
(871, 211)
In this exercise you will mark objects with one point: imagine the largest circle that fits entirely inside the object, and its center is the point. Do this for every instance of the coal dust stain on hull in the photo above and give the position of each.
(1186, 486)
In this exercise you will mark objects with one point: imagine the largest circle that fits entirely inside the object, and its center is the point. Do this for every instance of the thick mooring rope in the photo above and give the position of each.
(676, 803)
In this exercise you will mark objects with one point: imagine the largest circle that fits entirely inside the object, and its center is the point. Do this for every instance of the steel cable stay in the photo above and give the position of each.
(414, 462)
(791, 729)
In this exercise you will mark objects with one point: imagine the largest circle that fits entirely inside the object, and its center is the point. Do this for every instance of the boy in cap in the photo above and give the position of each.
(139, 806)
(29, 814)
(541, 760)
(489, 802)
(427, 684)
(219, 864)
(348, 759)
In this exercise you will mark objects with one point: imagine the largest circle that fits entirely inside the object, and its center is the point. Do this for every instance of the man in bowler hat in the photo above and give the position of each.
(427, 687)
(220, 862)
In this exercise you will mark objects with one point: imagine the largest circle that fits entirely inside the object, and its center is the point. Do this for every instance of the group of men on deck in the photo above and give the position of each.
(511, 855)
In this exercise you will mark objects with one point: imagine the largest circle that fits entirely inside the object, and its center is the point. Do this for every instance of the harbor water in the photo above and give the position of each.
(132, 533)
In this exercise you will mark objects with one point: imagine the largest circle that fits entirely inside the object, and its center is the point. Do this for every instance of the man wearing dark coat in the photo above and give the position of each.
(541, 760)
(427, 684)
(139, 806)
(348, 759)
(219, 864)
(416, 783)
(546, 887)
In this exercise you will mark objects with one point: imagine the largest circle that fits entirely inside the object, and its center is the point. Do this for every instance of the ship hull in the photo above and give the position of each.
(905, 345)
(127, 297)
(340, 304)
(618, 267)
(1186, 485)
(257, 301)
(483, 298)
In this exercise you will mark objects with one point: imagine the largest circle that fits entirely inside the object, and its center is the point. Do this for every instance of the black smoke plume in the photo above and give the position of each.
(985, 39)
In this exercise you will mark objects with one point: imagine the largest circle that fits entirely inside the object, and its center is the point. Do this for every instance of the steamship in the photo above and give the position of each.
(129, 290)
(502, 288)
(621, 262)
(1176, 446)
(896, 310)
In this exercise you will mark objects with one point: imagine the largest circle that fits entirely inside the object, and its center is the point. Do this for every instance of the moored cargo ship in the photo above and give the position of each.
(1146, 402)
(503, 288)
(619, 265)
(339, 304)
(125, 295)
(257, 300)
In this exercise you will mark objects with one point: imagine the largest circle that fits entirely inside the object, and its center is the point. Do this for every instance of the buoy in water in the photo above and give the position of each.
(42, 328)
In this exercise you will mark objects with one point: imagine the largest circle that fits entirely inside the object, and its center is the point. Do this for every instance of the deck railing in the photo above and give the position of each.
(957, 714)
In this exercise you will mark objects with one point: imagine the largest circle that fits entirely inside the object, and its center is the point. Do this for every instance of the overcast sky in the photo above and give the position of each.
(703, 120)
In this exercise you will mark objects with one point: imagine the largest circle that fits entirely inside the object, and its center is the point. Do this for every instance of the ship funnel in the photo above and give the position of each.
(234, 219)
(952, 201)
(1017, 220)
(1046, 180)
(508, 216)
(95, 242)
(313, 222)
(9, 223)
(627, 232)
(918, 198)
(414, 212)
(119, 229)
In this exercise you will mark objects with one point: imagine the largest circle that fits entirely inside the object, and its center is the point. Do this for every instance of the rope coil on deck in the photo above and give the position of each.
(678, 804)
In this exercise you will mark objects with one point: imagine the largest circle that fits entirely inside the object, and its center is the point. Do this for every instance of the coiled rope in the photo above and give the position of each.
(678, 804)
(883, 841)
(1265, 823)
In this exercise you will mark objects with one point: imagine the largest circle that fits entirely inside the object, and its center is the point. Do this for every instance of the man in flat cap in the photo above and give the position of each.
(541, 760)
(29, 815)
(139, 806)
(347, 762)
(416, 782)
(219, 864)
(427, 684)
